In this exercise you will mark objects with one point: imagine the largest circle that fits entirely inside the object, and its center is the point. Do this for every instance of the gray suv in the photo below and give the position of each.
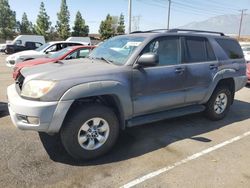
(128, 80)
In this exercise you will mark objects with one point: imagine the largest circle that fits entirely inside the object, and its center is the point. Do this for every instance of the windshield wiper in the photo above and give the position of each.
(101, 58)
(107, 60)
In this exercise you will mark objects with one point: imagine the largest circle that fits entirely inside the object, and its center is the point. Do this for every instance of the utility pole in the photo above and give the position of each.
(129, 15)
(136, 22)
(169, 7)
(241, 18)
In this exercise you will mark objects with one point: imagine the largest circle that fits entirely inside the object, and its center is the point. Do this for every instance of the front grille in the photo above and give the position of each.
(19, 81)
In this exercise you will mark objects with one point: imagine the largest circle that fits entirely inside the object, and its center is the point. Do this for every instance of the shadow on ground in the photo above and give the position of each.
(3, 109)
(143, 139)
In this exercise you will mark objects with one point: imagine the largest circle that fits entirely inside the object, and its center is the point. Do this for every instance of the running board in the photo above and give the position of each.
(165, 115)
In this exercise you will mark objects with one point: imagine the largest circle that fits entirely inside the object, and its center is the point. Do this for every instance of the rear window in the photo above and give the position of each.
(198, 49)
(231, 47)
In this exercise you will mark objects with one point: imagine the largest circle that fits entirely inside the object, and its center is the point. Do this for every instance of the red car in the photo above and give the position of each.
(248, 72)
(72, 52)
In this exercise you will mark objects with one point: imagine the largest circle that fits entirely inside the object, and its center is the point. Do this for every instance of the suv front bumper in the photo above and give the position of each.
(36, 115)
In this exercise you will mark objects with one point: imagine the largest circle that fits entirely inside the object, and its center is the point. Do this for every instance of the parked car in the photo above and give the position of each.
(248, 71)
(24, 42)
(73, 52)
(158, 75)
(246, 51)
(85, 40)
(43, 51)
(3, 46)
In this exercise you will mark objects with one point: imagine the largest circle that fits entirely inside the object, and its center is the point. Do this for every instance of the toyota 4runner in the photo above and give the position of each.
(128, 80)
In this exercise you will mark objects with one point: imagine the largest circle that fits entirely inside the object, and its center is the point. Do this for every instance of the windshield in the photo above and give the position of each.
(60, 53)
(117, 50)
(42, 47)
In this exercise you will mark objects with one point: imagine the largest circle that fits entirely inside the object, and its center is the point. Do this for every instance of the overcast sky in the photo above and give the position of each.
(148, 14)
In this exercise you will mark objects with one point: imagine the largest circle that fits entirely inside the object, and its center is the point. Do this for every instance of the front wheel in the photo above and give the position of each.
(90, 131)
(219, 104)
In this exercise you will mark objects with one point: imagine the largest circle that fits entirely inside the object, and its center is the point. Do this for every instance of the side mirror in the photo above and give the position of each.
(148, 59)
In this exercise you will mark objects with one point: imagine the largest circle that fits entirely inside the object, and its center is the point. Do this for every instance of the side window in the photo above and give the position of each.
(83, 53)
(198, 49)
(73, 44)
(18, 42)
(37, 44)
(210, 52)
(73, 55)
(52, 48)
(231, 47)
(167, 48)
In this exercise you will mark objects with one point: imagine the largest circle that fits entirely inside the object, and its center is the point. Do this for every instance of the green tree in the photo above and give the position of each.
(106, 28)
(25, 26)
(80, 29)
(42, 22)
(121, 26)
(7, 20)
(63, 16)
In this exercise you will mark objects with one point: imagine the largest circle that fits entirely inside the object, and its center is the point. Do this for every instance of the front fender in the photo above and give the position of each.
(91, 89)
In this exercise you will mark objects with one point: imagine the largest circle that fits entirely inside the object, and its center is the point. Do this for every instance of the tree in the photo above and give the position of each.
(63, 16)
(42, 23)
(106, 30)
(80, 29)
(121, 26)
(7, 20)
(25, 26)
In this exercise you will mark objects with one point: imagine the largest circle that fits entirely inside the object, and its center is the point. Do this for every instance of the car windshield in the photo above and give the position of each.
(41, 48)
(117, 50)
(60, 53)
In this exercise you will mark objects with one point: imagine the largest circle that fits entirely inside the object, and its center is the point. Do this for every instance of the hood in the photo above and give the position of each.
(33, 62)
(25, 53)
(69, 70)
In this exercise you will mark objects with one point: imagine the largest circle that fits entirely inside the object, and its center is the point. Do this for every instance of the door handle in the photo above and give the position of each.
(213, 66)
(179, 70)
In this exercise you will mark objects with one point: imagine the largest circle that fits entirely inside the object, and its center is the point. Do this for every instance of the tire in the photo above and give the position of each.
(89, 131)
(224, 98)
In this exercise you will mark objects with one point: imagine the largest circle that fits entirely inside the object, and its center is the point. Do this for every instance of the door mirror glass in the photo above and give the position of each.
(148, 59)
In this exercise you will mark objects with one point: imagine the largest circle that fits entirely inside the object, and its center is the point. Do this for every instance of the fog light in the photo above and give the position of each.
(28, 119)
(33, 120)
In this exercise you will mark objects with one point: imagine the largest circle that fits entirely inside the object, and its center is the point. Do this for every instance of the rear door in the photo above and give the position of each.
(201, 66)
(160, 87)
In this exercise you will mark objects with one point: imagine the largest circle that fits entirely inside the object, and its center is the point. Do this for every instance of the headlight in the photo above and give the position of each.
(37, 88)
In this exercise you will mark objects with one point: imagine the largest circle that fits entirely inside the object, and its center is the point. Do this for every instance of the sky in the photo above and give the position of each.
(147, 14)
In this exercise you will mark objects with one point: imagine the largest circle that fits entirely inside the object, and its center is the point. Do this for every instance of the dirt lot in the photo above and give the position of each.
(190, 151)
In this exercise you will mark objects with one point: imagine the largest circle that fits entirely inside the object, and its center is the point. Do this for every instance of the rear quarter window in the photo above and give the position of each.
(198, 49)
(231, 47)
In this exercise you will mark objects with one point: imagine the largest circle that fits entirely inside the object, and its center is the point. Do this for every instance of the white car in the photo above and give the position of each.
(246, 51)
(40, 52)
(3, 46)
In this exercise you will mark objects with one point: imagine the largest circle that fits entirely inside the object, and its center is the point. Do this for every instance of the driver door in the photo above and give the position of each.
(160, 87)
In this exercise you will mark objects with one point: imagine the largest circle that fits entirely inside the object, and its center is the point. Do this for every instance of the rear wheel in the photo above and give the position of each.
(90, 131)
(219, 104)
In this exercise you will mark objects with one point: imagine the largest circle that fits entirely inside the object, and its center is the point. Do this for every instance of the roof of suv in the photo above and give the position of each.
(181, 32)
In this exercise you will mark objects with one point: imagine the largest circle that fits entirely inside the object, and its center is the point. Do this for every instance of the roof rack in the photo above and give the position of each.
(179, 30)
(194, 31)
